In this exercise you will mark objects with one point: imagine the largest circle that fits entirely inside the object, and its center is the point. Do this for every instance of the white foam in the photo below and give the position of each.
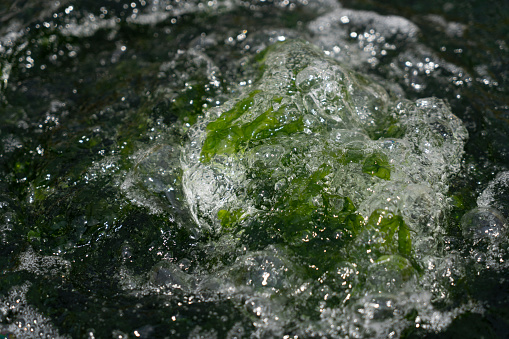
(20, 319)
(43, 264)
(495, 192)
(88, 26)
(390, 26)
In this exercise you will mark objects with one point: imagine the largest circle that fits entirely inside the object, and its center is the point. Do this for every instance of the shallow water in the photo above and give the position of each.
(362, 190)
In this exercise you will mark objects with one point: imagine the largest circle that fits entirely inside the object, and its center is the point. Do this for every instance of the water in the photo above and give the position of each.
(358, 189)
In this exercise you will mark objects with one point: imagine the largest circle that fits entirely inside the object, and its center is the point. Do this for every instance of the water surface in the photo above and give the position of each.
(121, 217)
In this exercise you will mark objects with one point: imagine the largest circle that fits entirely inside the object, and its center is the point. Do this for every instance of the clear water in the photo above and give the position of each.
(256, 169)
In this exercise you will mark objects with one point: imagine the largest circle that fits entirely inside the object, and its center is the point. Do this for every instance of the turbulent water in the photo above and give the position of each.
(254, 169)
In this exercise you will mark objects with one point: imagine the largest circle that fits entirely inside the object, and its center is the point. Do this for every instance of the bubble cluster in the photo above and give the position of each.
(322, 160)
(389, 155)
(20, 320)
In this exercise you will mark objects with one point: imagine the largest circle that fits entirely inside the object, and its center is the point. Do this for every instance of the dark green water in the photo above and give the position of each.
(101, 234)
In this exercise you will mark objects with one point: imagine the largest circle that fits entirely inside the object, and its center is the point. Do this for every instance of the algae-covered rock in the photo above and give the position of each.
(323, 159)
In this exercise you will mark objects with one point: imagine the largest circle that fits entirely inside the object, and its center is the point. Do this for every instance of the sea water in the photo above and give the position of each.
(286, 169)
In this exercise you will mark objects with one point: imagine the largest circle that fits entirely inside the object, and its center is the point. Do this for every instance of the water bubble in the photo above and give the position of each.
(496, 194)
(184, 264)
(390, 273)
(20, 322)
(262, 270)
(126, 252)
(170, 275)
(484, 223)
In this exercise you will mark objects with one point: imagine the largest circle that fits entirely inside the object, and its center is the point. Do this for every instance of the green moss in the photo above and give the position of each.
(389, 224)
(230, 218)
(377, 165)
(230, 134)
